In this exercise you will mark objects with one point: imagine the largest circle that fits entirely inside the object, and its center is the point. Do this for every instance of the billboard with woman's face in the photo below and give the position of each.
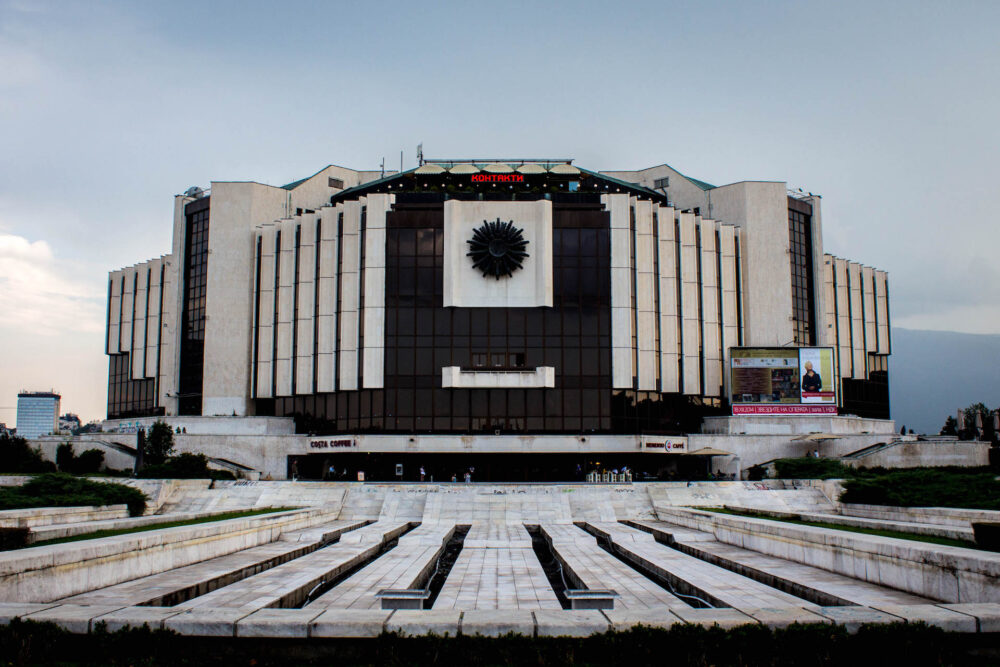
(782, 380)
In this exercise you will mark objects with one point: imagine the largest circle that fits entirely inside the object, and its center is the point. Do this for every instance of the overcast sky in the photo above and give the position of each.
(887, 109)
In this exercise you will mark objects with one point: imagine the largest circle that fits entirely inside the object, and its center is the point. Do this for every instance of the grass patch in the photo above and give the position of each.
(932, 539)
(157, 526)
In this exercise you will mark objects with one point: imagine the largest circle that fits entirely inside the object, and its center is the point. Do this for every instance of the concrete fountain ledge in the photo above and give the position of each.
(345, 623)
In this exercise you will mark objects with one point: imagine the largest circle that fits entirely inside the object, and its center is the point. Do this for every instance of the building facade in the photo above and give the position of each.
(486, 296)
(37, 413)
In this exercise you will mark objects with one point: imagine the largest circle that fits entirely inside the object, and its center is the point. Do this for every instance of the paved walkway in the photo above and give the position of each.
(597, 569)
(842, 589)
(176, 586)
(289, 584)
(497, 569)
(407, 565)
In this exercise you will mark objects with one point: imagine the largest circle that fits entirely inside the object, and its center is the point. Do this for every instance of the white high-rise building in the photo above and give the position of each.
(37, 413)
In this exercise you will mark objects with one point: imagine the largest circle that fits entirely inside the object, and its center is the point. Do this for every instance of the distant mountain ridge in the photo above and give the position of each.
(933, 373)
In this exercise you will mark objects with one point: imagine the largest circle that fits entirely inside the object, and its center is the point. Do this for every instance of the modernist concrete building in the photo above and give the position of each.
(501, 298)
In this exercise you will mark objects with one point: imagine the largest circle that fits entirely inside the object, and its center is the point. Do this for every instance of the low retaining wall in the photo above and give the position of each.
(949, 574)
(939, 516)
(44, 574)
(926, 453)
(48, 516)
(950, 532)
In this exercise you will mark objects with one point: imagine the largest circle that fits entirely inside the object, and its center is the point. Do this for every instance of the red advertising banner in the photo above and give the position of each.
(784, 409)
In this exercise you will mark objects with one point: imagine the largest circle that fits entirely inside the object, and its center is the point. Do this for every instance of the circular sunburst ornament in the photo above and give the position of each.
(497, 248)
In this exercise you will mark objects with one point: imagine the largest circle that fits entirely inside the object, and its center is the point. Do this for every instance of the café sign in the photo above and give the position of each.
(345, 443)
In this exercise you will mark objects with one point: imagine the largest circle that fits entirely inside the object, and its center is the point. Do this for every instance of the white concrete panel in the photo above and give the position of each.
(170, 341)
(137, 361)
(265, 316)
(711, 336)
(373, 360)
(843, 312)
(326, 364)
(828, 324)
(621, 290)
(730, 312)
(645, 290)
(689, 304)
(668, 307)
(286, 289)
(128, 301)
(868, 288)
(760, 209)
(114, 311)
(882, 311)
(307, 300)
(466, 286)
(857, 321)
(349, 297)
(236, 208)
(152, 342)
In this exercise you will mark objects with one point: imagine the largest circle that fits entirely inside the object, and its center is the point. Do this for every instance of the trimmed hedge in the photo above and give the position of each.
(183, 466)
(811, 468)
(972, 488)
(913, 645)
(62, 490)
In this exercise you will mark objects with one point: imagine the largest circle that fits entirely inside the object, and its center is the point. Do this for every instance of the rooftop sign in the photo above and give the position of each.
(498, 178)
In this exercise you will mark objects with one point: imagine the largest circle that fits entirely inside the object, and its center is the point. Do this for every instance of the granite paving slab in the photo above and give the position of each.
(946, 619)
(417, 622)
(72, 617)
(208, 622)
(498, 622)
(623, 619)
(277, 623)
(570, 623)
(136, 617)
(350, 623)
(987, 613)
(853, 617)
(724, 618)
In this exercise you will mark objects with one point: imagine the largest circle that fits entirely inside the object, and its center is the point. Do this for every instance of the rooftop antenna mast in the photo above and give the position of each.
(401, 162)
(383, 167)
(420, 154)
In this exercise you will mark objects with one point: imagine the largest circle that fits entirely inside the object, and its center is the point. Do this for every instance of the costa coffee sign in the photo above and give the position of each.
(333, 444)
(498, 178)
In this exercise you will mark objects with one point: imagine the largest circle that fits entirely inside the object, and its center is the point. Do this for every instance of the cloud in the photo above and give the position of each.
(47, 295)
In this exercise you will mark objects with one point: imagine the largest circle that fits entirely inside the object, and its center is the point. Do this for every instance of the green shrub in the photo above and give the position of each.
(184, 466)
(974, 488)
(18, 457)
(65, 458)
(13, 538)
(811, 468)
(63, 490)
(90, 461)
